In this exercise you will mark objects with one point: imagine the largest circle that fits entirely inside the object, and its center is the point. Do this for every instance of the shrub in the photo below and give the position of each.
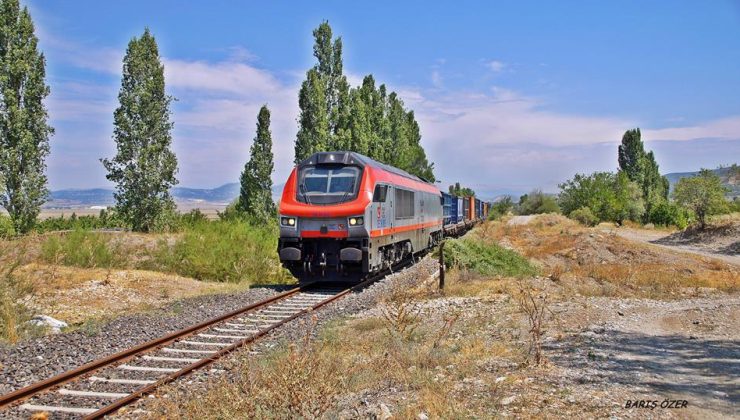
(501, 208)
(80, 248)
(609, 196)
(669, 214)
(6, 227)
(537, 202)
(584, 216)
(486, 259)
(224, 250)
(192, 218)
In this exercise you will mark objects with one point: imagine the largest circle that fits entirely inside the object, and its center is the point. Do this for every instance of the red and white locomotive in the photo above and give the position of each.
(342, 213)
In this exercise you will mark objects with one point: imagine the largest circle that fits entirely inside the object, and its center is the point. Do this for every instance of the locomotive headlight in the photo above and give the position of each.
(356, 221)
(287, 221)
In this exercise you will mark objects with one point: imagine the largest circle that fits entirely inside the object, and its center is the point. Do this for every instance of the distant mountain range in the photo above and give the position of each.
(78, 198)
(730, 179)
(225, 194)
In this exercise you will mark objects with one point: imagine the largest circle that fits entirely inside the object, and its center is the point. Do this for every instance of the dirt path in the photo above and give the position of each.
(656, 237)
(679, 350)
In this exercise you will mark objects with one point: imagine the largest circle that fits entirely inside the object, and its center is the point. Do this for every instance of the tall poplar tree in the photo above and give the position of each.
(24, 131)
(367, 119)
(313, 121)
(255, 198)
(323, 99)
(144, 166)
(631, 155)
(642, 168)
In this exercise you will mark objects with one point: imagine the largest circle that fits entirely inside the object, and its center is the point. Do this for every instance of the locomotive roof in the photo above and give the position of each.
(358, 159)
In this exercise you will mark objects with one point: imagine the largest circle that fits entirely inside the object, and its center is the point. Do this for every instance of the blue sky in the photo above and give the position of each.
(509, 95)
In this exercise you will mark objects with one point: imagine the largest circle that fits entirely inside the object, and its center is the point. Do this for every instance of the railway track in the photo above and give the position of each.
(105, 385)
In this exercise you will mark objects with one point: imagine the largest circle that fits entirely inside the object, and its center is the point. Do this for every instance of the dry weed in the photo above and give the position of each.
(535, 307)
(401, 312)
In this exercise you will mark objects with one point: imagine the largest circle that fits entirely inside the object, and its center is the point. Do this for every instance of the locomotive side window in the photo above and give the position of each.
(380, 192)
(405, 203)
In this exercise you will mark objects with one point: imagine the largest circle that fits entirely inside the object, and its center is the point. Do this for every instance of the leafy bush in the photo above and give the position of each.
(669, 214)
(584, 216)
(486, 259)
(501, 208)
(609, 196)
(734, 205)
(224, 250)
(537, 202)
(703, 194)
(192, 218)
(81, 248)
(6, 227)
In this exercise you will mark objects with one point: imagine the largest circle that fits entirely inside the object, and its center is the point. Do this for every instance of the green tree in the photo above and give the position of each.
(627, 203)
(461, 191)
(631, 154)
(609, 196)
(323, 99)
(366, 119)
(255, 198)
(313, 121)
(537, 202)
(24, 131)
(144, 166)
(703, 194)
(642, 168)
(501, 207)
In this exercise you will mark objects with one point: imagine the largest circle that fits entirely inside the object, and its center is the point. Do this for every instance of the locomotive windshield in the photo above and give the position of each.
(328, 184)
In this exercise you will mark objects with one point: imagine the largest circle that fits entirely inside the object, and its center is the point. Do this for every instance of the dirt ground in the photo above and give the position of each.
(682, 343)
(721, 243)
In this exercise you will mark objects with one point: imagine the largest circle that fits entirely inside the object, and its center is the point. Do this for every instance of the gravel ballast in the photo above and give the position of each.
(36, 359)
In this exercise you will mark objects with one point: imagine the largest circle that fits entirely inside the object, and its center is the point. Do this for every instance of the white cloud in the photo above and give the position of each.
(436, 78)
(496, 66)
(226, 77)
(723, 128)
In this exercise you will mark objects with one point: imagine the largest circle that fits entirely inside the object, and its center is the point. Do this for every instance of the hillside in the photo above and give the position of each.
(730, 178)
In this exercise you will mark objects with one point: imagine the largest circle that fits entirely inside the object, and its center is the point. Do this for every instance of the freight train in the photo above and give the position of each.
(342, 213)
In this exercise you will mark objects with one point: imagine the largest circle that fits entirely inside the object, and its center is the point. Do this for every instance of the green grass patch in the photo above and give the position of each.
(231, 250)
(224, 250)
(81, 248)
(488, 259)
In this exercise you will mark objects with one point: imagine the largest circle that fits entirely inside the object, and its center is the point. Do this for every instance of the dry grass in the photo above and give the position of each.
(15, 295)
(428, 371)
(592, 262)
(76, 295)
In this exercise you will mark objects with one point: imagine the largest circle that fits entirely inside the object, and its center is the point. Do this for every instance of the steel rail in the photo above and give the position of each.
(138, 394)
(122, 356)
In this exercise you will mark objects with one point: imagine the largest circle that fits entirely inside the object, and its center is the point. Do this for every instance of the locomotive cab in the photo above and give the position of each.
(322, 217)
